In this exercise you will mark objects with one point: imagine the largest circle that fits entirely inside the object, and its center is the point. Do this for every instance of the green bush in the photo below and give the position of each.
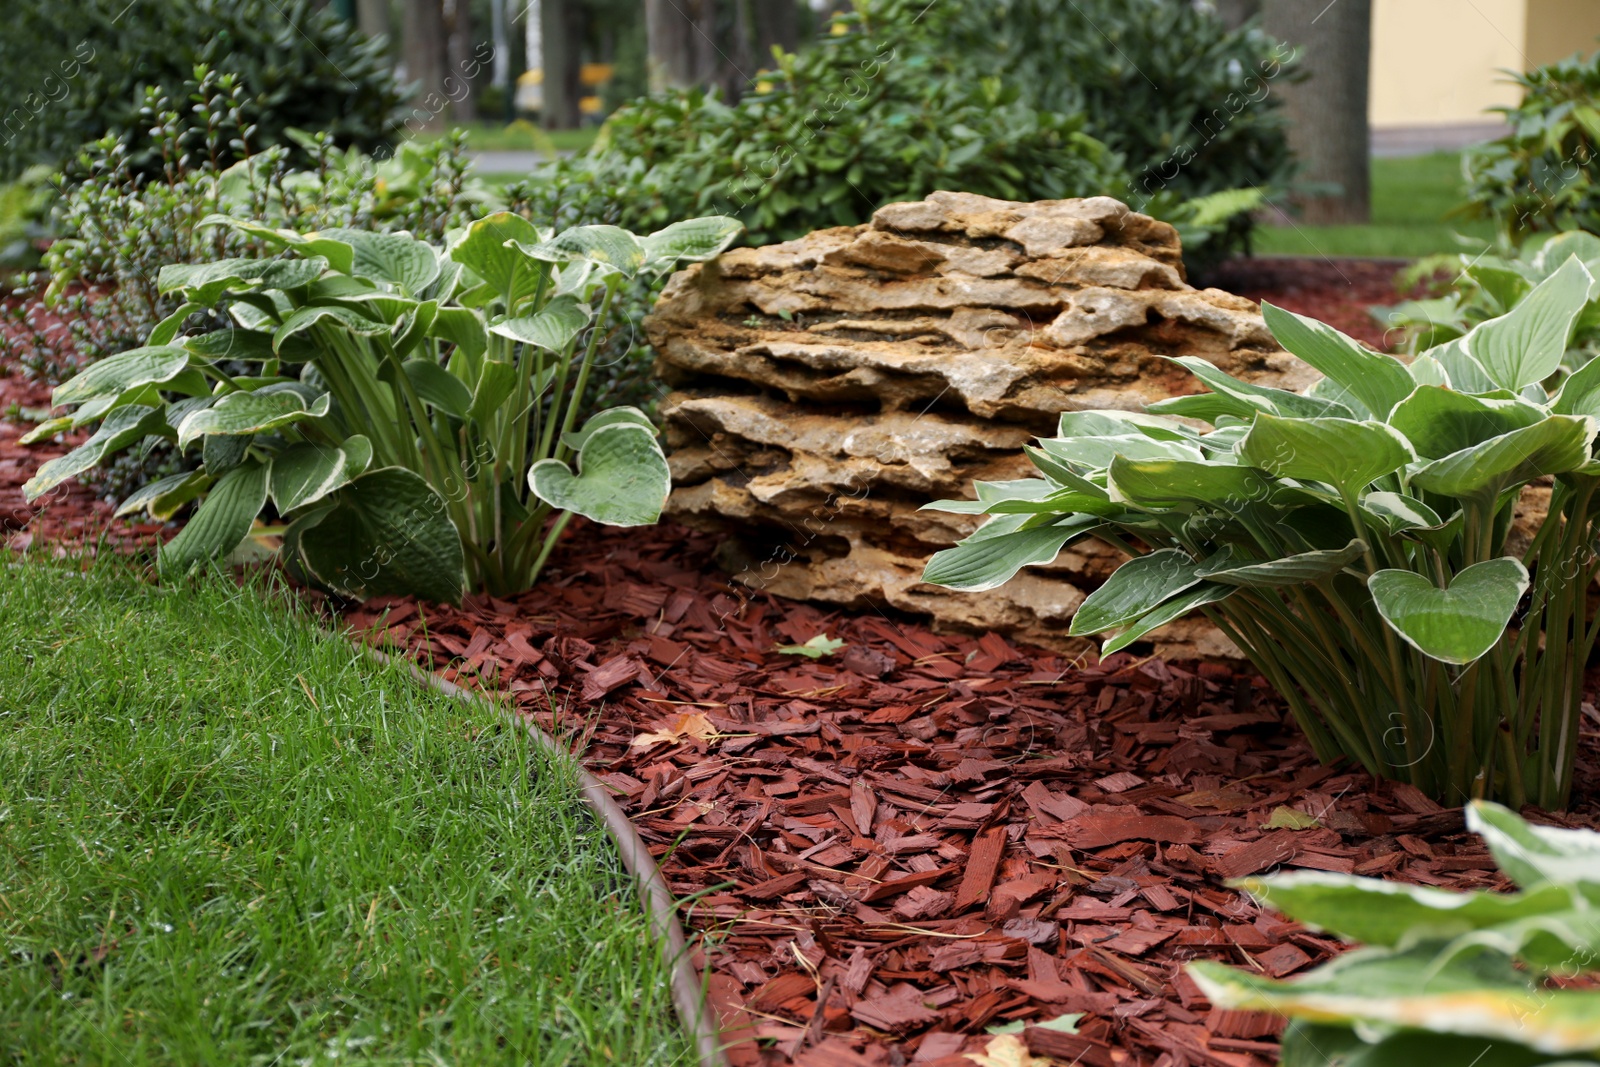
(410, 409)
(1542, 175)
(1447, 978)
(1355, 540)
(73, 71)
(869, 115)
(24, 217)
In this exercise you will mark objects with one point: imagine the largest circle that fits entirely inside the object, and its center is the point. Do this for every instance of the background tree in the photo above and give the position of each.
(1328, 129)
(422, 33)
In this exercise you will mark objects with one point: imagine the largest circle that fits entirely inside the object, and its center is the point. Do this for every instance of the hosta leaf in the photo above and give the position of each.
(1466, 374)
(220, 453)
(1525, 345)
(1555, 445)
(1122, 424)
(47, 429)
(1550, 942)
(396, 259)
(1375, 381)
(1484, 997)
(1580, 392)
(221, 521)
(1455, 625)
(1167, 483)
(1256, 397)
(610, 417)
(1342, 453)
(486, 251)
(141, 498)
(1180, 605)
(127, 370)
(496, 380)
(121, 428)
(388, 533)
(206, 283)
(1440, 421)
(1534, 855)
(1376, 912)
(1327, 1046)
(339, 255)
(438, 387)
(1096, 453)
(1425, 370)
(981, 563)
(1397, 513)
(305, 473)
(610, 247)
(1135, 589)
(461, 327)
(1288, 570)
(553, 327)
(622, 478)
(306, 318)
(691, 239)
(232, 344)
(248, 413)
(168, 328)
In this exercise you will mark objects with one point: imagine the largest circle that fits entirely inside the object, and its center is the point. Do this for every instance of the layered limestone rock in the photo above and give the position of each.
(827, 388)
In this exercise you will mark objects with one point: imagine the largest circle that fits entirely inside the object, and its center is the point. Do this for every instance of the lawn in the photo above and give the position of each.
(225, 838)
(1410, 198)
(523, 136)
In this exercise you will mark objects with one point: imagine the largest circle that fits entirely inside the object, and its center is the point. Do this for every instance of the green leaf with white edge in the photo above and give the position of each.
(1454, 625)
(1397, 513)
(1015, 490)
(1555, 445)
(305, 473)
(1188, 600)
(1375, 912)
(47, 429)
(395, 259)
(608, 247)
(340, 256)
(1525, 345)
(1483, 997)
(1343, 453)
(1425, 370)
(1207, 407)
(1548, 942)
(553, 327)
(1257, 397)
(168, 328)
(1059, 502)
(232, 344)
(1440, 421)
(203, 284)
(461, 327)
(1375, 381)
(1466, 374)
(221, 521)
(622, 478)
(141, 498)
(127, 370)
(616, 416)
(249, 413)
(122, 427)
(496, 381)
(987, 562)
(438, 387)
(1322, 1046)
(1122, 424)
(1135, 589)
(306, 318)
(388, 533)
(692, 239)
(1096, 453)
(814, 648)
(1536, 855)
(1296, 569)
(487, 251)
(220, 453)
(1167, 483)
(1580, 392)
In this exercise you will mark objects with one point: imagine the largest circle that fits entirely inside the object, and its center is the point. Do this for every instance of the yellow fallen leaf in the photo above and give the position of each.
(1007, 1050)
(694, 724)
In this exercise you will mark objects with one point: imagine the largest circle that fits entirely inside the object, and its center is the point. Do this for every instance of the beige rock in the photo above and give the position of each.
(827, 388)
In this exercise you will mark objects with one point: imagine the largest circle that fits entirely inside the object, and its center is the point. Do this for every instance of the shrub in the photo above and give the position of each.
(1355, 540)
(24, 217)
(1468, 978)
(410, 409)
(73, 71)
(869, 115)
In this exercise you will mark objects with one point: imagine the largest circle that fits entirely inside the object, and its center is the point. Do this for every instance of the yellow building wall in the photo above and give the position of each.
(1558, 28)
(1438, 62)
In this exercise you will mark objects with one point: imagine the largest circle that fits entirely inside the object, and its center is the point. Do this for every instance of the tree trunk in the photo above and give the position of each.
(682, 42)
(465, 67)
(372, 16)
(1235, 13)
(777, 23)
(425, 63)
(1327, 111)
(561, 38)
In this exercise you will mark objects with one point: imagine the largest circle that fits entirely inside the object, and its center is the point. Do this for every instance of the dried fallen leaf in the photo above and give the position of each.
(819, 646)
(1007, 1050)
(1289, 819)
(1066, 1024)
(694, 724)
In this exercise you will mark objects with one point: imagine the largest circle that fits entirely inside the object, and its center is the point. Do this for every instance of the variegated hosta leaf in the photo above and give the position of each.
(1343, 453)
(1374, 381)
(989, 560)
(1136, 588)
(489, 249)
(249, 413)
(1455, 625)
(305, 473)
(552, 327)
(221, 521)
(117, 374)
(692, 239)
(622, 477)
(1295, 569)
(1534, 855)
(122, 427)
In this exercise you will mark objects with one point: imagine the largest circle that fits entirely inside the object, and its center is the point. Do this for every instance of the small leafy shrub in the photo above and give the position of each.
(1354, 540)
(24, 217)
(1446, 977)
(869, 115)
(1484, 287)
(73, 71)
(1542, 175)
(411, 410)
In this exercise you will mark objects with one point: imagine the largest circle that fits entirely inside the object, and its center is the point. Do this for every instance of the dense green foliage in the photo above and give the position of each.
(24, 212)
(1449, 978)
(72, 71)
(1543, 174)
(226, 839)
(1354, 540)
(411, 409)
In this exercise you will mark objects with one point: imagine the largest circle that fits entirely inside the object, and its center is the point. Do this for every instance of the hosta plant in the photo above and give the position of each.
(1449, 978)
(410, 411)
(1355, 540)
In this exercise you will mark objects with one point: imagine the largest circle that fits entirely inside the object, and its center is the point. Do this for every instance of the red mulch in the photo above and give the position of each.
(1339, 291)
(891, 849)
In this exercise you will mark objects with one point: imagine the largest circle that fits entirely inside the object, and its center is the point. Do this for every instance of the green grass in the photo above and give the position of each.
(1410, 197)
(523, 136)
(227, 839)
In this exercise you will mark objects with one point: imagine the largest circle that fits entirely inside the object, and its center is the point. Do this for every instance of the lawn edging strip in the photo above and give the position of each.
(688, 989)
